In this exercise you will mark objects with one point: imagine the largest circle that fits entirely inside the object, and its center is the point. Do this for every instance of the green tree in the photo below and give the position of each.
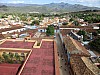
(50, 30)
(37, 22)
(3, 16)
(11, 56)
(98, 31)
(17, 57)
(71, 20)
(6, 57)
(64, 23)
(23, 18)
(95, 44)
(76, 23)
(95, 33)
(82, 32)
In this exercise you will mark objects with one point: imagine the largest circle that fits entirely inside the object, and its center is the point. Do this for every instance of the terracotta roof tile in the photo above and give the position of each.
(41, 61)
(9, 69)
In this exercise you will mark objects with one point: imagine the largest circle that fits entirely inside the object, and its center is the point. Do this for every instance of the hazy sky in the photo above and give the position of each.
(95, 3)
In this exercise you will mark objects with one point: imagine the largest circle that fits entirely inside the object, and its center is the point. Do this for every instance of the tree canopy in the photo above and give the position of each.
(64, 23)
(50, 30)
(76, 23)
(95, 44)
(35, 22)
(71, 19)
(81, 32)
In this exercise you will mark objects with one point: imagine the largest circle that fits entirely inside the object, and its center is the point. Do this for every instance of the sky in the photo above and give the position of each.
(91, 3)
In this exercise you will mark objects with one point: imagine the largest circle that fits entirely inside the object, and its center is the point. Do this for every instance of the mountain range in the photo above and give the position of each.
(45, 8)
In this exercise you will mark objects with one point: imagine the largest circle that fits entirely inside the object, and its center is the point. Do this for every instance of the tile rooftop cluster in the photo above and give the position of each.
(41, 61)
(8, 29)
(81, 27)
(79, 66)
(74, 47)
(64, 32)
(91, 66)
(30, 32)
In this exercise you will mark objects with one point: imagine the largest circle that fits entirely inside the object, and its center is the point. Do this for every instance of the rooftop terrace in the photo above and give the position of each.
(9, 69)
(17, 44)
(40, 61)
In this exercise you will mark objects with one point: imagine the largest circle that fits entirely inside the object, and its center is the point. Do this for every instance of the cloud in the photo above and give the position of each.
(16, 1)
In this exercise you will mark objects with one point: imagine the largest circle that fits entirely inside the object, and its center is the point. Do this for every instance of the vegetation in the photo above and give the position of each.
(64, 23)
(95, 44)
(76, 23)
(71, 20)
(95, 33)
(36, 22)
(46, 8)
(23, 18)
(98, 31)
(89, 17)
(82, 32)
(50, 30)
(3, 16)
(11, 58)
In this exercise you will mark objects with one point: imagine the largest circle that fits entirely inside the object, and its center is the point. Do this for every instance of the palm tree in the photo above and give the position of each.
(6, 57)
(17, 57)
(11, 56)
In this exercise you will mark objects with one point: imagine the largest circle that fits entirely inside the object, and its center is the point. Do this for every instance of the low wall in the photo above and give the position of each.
(57, 71)
(19, 73)
(61, 37)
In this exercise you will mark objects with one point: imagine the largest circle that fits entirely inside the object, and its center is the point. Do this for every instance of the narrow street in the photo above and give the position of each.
(62, 57)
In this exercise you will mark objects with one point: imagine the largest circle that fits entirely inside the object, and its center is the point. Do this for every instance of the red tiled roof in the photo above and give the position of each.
(65, 31)
(47, 44)
(81, 27)
(90, 30)
(41, 61)
(12, 28)
(1, 36)
(74, 46)
(17, 44)
(79, 67)
(9, 69)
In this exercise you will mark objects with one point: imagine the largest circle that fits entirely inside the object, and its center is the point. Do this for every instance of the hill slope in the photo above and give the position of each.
(47, 8)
